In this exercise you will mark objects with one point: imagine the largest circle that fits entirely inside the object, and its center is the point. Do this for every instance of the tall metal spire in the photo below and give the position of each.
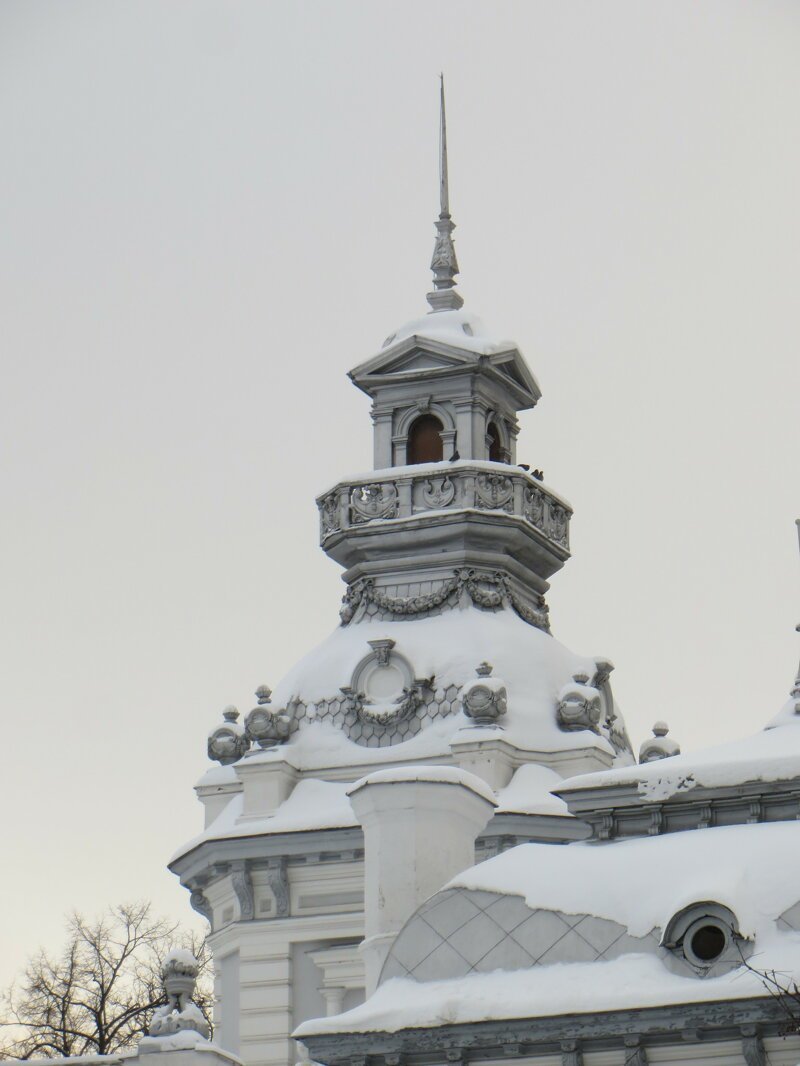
(444, 263)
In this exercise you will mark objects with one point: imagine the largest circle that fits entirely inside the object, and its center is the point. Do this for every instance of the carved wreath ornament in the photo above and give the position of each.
(383, 689)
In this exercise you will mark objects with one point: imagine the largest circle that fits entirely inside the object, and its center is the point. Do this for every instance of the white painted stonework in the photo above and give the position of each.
(420, 829)
(432, 842)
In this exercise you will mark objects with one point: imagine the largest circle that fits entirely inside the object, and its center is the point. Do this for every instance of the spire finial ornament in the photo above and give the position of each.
(444, 263)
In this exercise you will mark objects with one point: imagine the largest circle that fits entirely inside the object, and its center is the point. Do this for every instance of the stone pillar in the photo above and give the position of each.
(464, 440)
(420, 824)
(382, 437)
(334, 998)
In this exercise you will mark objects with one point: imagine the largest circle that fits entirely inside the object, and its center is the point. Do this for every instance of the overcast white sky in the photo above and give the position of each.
(210, 211)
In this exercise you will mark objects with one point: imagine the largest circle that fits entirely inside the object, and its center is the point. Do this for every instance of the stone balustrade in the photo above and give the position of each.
(408, 491)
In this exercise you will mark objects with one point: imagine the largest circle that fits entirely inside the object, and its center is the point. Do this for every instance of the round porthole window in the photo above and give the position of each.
(705, 941)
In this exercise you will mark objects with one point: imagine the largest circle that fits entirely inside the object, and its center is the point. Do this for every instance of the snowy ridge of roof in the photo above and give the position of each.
(752, 869)
(447, 775)
(773, 754)
(319, 804)
(530, 792)
(580, 988)
(313, 804)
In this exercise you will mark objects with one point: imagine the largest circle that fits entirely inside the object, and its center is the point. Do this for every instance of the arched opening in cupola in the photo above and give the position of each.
(496, 451)
(425, 440)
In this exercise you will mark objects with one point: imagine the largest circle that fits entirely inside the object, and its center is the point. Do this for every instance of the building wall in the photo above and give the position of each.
(273, 973)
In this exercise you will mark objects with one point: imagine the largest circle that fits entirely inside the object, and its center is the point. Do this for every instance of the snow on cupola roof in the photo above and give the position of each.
(459, 328)
(463, 687)
(446, 344)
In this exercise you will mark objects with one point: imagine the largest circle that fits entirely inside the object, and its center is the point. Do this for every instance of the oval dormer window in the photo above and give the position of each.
(496, 454)
(425, 440)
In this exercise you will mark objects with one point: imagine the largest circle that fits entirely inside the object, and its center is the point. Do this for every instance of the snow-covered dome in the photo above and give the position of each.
(356, 681)
(460, 328)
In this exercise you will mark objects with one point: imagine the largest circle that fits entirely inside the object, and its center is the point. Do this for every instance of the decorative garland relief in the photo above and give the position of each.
(469, 584)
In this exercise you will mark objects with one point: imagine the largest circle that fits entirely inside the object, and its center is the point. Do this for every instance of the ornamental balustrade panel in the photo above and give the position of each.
(512, 491)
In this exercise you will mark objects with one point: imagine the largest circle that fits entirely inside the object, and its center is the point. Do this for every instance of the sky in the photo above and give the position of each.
(210, 211)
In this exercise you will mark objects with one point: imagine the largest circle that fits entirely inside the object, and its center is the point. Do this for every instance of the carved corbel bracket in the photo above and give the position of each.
(198, 901)
(753, 1047)
(571, 1054)
(635, 1054)
(278, 879)
(243, 887)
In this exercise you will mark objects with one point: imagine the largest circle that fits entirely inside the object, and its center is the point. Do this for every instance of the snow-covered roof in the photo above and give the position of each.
(770, 755)
(318, 804)
(313, 804)
(394, 775)
(462, 329)
(636, 981)
(530, 791)
(753, 870)
(533, 665)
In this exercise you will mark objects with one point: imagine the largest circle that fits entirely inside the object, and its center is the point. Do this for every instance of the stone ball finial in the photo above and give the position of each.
(266, 725)
(227, 743)
(660, 746)
(579, 705)
(263, 693)
(485, 699)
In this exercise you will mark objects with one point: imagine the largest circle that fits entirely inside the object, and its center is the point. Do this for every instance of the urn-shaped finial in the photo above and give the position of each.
(227, 743)
(660, 746)
(579, 705)
(484, 700)
(179, 1014)
(266, 725)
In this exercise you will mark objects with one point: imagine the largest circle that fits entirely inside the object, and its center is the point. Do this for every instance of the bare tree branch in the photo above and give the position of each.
(98, 994)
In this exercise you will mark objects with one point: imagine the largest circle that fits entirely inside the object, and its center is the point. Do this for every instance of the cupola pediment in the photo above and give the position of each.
(418, 356)
(409, 356)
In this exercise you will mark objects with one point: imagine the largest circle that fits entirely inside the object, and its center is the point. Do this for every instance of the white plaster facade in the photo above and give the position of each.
(443, 661)
(377, 861)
